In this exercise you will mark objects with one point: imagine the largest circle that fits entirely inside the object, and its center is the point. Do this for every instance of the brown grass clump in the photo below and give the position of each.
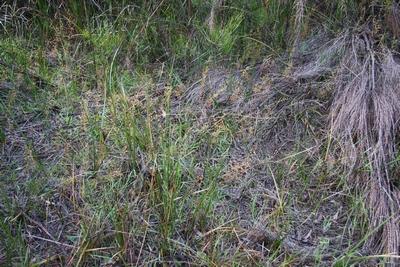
(364, 119)
(393, 19)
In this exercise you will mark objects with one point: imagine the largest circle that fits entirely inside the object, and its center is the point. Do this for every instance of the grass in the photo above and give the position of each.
(136, 135)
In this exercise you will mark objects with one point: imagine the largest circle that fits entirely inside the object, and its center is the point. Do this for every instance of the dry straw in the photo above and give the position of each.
(365, 120)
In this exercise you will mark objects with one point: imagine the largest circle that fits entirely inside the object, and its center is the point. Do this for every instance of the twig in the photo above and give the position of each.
(52, 241)
(39, 225)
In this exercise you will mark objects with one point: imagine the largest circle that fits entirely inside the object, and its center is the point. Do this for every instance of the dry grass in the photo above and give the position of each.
(288, 162)
(364, 119)
(299, 6)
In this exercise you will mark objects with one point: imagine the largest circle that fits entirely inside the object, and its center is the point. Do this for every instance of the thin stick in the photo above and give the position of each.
(52, 241)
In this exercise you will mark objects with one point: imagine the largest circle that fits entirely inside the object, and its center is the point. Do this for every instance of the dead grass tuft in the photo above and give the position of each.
(364, 120)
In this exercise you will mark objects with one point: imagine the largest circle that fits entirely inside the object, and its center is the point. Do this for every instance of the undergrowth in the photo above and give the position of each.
(191, 133)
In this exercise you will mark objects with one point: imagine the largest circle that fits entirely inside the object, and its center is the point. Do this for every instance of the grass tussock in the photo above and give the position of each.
(364, 119)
